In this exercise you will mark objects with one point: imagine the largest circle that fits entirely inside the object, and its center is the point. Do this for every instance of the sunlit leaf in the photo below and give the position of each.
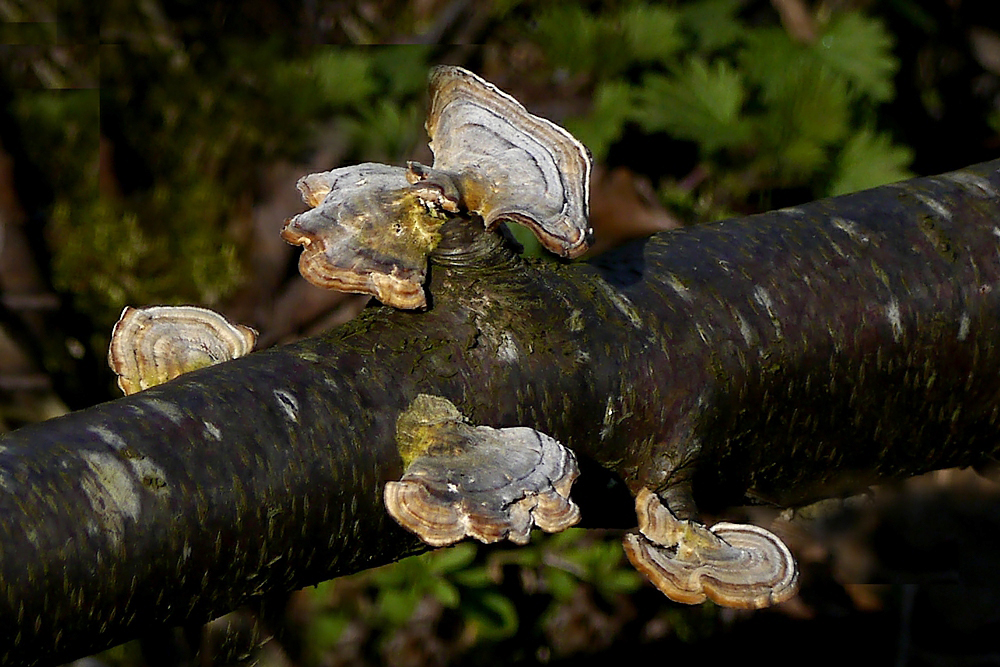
(770, 59)
(651, 32)
(324, 630)
(569, 35)
(700, 101)
(620, 581)
(612, 108)
(444, 592)
(560, 583)
(396, 605)
(473, 577)
(453, 558)
(343, 77)
(869, 160)
(530, 245)
(387, 130)
(712, 22)
(494, 615)
(860, 48)
(402, 68)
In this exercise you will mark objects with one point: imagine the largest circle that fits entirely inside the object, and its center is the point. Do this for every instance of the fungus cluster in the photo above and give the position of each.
(372, 226)
(476, 481)
(370, 230)
(732, 564)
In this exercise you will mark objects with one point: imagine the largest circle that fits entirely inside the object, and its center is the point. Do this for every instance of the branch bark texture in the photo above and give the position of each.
(786, 356)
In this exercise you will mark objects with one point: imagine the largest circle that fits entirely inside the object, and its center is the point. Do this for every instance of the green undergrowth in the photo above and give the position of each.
(763, 111)
(153, 178)
(472, 597)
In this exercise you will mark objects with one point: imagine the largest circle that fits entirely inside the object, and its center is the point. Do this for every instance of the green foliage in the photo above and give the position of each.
(697, 101)
(168, 245)
(386, 600)
(993, 120)
(472, 584)
(610, 41)
(402, 586)
(806, 111)
(388, 129)
(530, 245)
(341, 77)
(454, 578)
(712, 24)
(611, 109)
(197, 123)
(652, 33)
(563, 561)
(859, 48)
(332, 79)
(869, 159)
(164, 251)
(766, 111)
(573, 36)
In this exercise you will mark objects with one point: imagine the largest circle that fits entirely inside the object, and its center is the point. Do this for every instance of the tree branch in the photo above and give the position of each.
(785, 356)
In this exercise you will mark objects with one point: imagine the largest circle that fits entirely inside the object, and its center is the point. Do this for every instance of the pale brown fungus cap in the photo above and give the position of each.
(734, 565)
(150, 346)
(368, 233)
(508, 163)
(477, 481)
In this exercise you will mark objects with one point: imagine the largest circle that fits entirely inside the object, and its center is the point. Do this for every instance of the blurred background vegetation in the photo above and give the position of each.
(148, 154)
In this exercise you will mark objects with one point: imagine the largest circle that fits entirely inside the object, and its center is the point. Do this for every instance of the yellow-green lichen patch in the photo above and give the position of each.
(417, 425)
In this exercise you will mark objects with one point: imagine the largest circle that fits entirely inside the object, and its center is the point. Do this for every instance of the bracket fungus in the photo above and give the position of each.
(369, 232)
(150, 346)
(372, 226)
(509, 164)
(476, 481)
(734, 565)
(371, 229)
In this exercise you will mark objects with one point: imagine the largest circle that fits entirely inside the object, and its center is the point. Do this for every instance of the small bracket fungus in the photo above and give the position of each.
(152, 345)
(509, 164)
(734, 565)
(369, 232)
(490, 484)
(372, 226)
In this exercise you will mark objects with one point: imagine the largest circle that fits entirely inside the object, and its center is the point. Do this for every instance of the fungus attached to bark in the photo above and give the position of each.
(150, 346)
(372, 226)
(509, 164)
(462, 480)
(734, 565)
(369, 233)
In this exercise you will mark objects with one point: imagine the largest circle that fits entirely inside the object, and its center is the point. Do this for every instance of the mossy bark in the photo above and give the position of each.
(786, 356)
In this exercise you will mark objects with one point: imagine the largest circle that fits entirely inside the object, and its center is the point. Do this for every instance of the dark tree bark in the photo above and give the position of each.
(785, 356)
